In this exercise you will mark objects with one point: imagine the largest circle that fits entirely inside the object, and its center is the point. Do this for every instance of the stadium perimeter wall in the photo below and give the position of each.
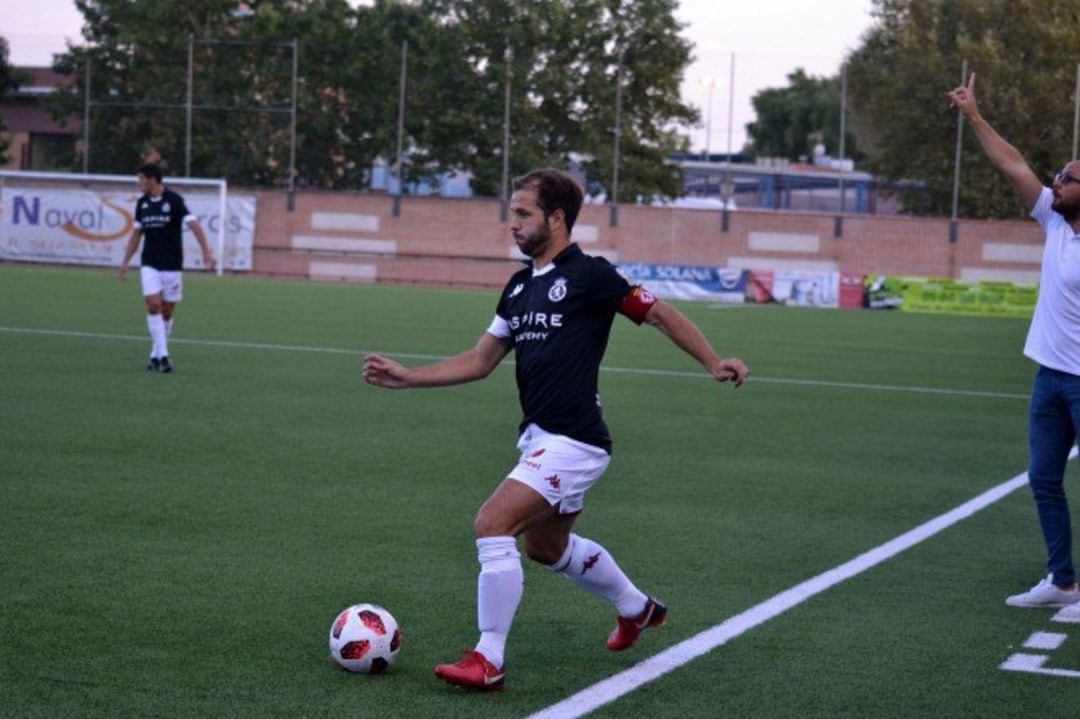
(437, 241)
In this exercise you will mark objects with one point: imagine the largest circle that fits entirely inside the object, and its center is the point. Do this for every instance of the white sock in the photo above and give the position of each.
(168, 328)
(591, 567)
(156, 325)
(498, 593)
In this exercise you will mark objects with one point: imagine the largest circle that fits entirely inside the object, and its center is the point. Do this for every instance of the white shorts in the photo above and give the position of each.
(560, 469)
(169, 284)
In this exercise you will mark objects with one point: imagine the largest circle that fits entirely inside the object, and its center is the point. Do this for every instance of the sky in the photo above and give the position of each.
(769, 40)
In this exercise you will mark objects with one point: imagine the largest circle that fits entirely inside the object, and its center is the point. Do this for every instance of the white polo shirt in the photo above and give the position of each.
(1054, 336)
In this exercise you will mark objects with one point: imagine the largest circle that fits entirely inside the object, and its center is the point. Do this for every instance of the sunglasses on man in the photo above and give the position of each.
(1065, 178)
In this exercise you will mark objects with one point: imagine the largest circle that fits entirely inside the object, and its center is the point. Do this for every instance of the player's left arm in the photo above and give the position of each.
(686, 335)
(208, 255)
(129, 251)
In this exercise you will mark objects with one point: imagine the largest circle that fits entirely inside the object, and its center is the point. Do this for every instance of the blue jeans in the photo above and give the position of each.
(1053, 420)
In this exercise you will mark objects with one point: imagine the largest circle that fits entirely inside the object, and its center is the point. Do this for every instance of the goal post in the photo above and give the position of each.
(75, 218)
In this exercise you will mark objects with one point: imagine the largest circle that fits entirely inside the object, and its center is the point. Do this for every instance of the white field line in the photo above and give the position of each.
(624, 682)
(616, 370)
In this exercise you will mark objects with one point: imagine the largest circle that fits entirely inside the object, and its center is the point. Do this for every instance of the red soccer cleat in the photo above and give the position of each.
(473, 671)
(628, 630)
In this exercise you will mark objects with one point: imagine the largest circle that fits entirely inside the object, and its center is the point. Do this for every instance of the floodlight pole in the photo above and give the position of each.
(838, 227)
(86, 121)
(956, 172)
(292, 124)
(504, 205)
(190, 91)
(614, 219)
(725, 215)
(843, 132)
(1076, 112)
(399, 163)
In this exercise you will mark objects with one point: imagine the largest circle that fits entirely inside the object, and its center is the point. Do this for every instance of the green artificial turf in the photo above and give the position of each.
(178, 545)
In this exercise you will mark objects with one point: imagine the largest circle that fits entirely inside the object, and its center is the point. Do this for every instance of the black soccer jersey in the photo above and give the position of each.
(162, 222)
(559, 322)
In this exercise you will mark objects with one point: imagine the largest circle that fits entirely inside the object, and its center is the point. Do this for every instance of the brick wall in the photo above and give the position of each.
(355, 237)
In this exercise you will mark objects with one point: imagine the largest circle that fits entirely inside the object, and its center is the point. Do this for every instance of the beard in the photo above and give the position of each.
(1069, 210)
(534, 244)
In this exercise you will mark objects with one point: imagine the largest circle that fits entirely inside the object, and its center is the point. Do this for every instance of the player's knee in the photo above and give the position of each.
(153, 306)
(543, 552)
(488, 525)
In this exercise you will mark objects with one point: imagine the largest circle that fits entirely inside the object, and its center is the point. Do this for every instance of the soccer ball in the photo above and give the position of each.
(365, 639)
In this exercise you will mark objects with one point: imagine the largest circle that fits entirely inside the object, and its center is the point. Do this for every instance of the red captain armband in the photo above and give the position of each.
(637, 304)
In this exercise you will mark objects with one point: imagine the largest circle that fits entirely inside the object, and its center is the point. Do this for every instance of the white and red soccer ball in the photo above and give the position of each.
(365, 638)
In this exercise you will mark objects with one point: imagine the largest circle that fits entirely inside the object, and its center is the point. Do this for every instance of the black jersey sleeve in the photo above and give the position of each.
(513, 288)
(606, 286)
(182, 210)
(501, 308)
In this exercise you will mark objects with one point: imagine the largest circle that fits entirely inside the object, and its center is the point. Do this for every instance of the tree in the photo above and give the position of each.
(1026, 72)
(562, 58)
(793, 119)
(137, 54)
(10, 80)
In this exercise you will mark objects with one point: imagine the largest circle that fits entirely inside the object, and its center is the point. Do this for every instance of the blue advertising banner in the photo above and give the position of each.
(683, 282)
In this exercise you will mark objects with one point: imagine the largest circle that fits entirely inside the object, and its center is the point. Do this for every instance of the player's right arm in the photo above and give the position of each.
(1006, 158)
(468, 366)
(129, 251)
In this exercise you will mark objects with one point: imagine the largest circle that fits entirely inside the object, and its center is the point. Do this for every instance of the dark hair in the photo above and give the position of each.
(151, 171)
(555, 190)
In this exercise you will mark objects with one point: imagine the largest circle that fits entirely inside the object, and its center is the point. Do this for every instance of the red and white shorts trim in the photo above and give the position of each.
(169, 284)
(559, 468)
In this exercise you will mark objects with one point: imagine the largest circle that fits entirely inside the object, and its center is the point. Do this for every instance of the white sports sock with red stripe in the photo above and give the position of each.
(591, 567)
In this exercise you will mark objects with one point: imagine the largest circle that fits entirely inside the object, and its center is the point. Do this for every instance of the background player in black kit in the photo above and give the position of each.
(556, 315)
(161, 214)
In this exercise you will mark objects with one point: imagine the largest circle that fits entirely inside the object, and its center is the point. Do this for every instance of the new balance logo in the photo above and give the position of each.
(590, 562)
(553, 480)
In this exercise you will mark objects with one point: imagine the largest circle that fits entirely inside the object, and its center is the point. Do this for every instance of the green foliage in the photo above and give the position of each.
(792, 120)
(564, 63)
(562, 58)
(10, 80)
(1024, 54)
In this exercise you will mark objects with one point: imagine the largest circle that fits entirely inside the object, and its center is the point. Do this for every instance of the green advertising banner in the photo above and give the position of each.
(917, 294)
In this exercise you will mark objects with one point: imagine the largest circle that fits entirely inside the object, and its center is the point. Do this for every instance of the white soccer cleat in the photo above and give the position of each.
(1045, 594)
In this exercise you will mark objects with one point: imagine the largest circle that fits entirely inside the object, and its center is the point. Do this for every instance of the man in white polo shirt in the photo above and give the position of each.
(160, 215)
(1053, 342)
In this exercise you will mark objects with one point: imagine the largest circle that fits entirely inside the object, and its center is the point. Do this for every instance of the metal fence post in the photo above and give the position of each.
(953, 230)
(613, 220)
(399, 164)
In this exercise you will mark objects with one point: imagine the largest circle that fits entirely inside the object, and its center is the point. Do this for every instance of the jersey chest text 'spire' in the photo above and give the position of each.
(162, 222)
(558, 323)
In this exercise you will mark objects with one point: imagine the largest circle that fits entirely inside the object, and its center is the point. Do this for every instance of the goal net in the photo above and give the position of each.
(71, 218)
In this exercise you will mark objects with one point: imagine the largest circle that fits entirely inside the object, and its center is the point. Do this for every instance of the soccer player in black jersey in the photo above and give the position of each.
(161, 214)
(556, 315)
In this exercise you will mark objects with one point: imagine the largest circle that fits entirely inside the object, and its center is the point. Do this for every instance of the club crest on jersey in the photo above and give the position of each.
(558, 290)
(516, 291)
(165, 207)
